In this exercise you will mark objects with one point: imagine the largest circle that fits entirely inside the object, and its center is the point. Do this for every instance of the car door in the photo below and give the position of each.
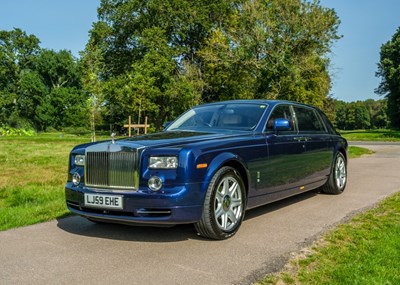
(283, 169)
(318, 150)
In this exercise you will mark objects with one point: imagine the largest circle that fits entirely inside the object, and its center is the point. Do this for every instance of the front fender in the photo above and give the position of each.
(224, 159)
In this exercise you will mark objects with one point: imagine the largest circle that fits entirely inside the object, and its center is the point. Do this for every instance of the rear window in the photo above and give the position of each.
(308, 120)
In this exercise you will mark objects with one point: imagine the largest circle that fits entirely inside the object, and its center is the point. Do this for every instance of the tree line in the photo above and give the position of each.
(39, 88)
(158, 58)
(368, 114)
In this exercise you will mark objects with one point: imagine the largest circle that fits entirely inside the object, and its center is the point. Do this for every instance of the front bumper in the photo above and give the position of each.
(176, 205)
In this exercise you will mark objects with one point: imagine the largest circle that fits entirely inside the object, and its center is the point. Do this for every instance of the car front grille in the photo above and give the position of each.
(106, 169)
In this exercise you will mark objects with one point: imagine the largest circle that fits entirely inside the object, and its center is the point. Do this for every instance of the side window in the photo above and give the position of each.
(307, 120)
(327, 123)
(280, 112)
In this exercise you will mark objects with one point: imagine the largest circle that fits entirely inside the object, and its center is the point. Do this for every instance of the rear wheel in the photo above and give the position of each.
(224, 205)
(338, 177)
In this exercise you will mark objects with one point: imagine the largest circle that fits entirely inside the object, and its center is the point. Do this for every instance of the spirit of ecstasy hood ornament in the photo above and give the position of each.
(113, 137)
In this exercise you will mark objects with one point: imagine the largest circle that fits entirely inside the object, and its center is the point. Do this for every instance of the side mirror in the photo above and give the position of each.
(281, 124)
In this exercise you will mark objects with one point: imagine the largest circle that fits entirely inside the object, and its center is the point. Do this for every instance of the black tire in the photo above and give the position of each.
(224, 205)
(338, 177)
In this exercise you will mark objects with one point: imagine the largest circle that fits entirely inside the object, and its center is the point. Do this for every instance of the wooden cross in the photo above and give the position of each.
(130, 126)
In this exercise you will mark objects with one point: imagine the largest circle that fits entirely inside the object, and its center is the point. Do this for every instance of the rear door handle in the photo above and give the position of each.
(302, 139)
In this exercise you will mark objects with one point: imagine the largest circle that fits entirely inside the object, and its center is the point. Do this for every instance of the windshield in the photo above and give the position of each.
(232, 116)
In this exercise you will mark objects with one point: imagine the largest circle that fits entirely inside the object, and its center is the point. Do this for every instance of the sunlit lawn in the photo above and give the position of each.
(356, 151)
(33, 175)
(372, 135)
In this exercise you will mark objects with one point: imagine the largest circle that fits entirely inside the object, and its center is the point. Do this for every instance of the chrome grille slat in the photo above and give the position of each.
(106, 169)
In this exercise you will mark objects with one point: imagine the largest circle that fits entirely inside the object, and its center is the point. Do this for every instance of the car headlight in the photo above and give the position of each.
(163, 162)
(79, 160)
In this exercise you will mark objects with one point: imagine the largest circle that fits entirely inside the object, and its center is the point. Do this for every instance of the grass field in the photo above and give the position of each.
(34, 172)
(372, 135)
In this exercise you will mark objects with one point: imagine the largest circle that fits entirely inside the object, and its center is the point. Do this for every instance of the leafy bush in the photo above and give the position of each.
(7, 131)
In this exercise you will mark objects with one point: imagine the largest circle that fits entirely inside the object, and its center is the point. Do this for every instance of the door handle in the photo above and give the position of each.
(302, 139)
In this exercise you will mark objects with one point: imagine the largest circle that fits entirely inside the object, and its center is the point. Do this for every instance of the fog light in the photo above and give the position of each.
(76, 179)
(155, 183)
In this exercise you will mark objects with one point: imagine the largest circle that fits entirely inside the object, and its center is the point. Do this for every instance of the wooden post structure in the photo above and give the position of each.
(130, 126)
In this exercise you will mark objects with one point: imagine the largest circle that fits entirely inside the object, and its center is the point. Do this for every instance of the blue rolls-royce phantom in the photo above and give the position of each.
(209, 166)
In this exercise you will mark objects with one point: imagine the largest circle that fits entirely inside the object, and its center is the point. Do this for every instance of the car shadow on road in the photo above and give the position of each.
(80, 226)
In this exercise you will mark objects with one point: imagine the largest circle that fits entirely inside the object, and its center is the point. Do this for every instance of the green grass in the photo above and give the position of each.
(34, 172)
(364, 251)
(371, 135)
(355, 151)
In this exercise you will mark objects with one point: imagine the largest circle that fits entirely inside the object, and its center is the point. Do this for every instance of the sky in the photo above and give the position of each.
(58, 24)
(365, 26)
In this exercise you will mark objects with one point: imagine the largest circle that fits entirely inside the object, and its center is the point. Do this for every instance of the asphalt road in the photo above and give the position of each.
(76, 251)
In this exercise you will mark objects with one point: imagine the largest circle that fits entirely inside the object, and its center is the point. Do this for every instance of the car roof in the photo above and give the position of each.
(255, 101)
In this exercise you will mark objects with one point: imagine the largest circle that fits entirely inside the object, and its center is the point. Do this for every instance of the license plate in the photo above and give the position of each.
(103, 201)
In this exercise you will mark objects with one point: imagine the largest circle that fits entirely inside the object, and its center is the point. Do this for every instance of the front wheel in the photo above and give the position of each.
(224, 205)
(338, 178)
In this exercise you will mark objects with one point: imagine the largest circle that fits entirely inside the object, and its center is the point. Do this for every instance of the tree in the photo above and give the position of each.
(157, 81)
(65, 103)
(361, 114)
(149, 55)
(39, 88)
(149, 50)
(31, 95)
(159, 53)
(92, 64)
(389, 71)
(274, 50)
(341, 115)
(49, 93)
(377, 110)
(17, 54)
